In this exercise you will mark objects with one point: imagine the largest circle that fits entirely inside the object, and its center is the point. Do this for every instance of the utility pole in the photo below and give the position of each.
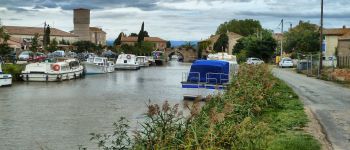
(321, 41)
(282, 39)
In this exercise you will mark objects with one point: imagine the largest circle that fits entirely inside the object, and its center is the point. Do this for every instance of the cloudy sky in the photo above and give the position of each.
(171, 19)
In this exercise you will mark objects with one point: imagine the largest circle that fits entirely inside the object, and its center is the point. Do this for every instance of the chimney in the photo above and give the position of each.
(344, 27)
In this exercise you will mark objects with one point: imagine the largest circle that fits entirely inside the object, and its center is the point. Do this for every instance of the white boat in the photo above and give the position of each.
(110, 66)
(127, 62)
(96, 65)
(142, 60)
(5, 79)
(63, 69)
(225, 57)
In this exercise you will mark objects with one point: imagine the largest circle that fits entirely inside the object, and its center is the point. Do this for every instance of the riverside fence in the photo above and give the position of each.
(343, 62)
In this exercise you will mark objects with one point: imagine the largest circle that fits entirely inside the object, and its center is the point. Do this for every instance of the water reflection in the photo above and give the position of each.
(61, 115)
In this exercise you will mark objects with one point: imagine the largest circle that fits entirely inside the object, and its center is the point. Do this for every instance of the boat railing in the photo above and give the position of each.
(221, 80)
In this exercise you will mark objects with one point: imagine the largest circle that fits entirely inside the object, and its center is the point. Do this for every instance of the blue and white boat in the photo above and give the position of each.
(208, 74)
(5, 79)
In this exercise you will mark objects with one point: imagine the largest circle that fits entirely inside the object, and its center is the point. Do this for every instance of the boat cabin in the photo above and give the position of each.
(210, 74)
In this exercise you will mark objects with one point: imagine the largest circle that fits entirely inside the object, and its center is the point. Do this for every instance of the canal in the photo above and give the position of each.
(61, 115)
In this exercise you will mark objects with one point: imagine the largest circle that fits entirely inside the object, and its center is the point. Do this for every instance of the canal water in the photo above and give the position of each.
(61, 115)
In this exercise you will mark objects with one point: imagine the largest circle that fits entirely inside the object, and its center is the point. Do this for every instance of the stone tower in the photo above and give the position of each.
(81, 22)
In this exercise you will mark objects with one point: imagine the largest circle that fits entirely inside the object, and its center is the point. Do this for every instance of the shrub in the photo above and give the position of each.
(13, 69)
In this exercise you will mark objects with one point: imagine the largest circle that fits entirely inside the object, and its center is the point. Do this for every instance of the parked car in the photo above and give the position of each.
(286, 62)
(25, 55)
(72, 54)
(254, 61)
(38, 57)
(59, 53)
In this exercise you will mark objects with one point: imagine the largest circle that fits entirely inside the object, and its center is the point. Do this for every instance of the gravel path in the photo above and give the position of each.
(329, 101)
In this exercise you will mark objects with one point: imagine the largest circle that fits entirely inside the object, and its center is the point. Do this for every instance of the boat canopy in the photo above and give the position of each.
(209, 71)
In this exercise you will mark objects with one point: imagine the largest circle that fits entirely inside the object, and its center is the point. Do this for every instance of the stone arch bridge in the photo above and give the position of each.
(188, 55)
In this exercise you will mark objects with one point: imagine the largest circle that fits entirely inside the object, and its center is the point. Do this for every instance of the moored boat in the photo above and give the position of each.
(127, 62)
(62, 69)
(158, 57)
(5, 79)
(96, 65)
(209, 74)
(142, 60)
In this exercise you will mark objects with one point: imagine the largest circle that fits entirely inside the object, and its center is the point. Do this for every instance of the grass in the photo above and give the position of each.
(257, 111)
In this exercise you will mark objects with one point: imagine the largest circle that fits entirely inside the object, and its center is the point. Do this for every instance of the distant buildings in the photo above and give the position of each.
(21, 36)
(336, 39)
(160, 44)
(232, 41)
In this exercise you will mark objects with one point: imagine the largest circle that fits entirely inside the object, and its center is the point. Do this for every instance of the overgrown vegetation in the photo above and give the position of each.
(14, 69)
(261, 45)
(257, 111)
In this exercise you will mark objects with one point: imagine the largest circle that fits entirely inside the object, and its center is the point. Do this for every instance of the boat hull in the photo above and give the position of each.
(5, 80)
(94, 69)
(127, 67)
(52, 77)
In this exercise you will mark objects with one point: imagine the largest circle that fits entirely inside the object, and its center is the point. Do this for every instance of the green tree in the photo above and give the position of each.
(262, 46)
(222, 43)
(243, 27)
(4, 47)
(84, 46)
(203, 45)
(35, 43)
(63, 42)
(168, 44)
(304, 37)
(46, 37)
(133, 35)
(53, 45)
(145, 34)
(141, 36)
(118, 41)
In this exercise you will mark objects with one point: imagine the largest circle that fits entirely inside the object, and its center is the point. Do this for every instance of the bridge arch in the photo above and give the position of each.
(188, 55)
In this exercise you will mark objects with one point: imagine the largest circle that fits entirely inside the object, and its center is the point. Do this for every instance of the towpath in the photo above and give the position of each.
(329, 101)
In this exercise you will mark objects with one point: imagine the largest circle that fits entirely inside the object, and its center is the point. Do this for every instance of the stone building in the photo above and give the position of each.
(159, 43)
(331, 40)
(21, 36)
(232, 41)
(83, 30)
(344, 45)
(97, 36)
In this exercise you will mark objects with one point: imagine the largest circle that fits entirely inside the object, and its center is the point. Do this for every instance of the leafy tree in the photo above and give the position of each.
(188, 45)
(168, 44)
(118, 41)
(222, 43)
(145, 34)
(243, 27)
(127, 49)
(203, 45)
(83, 46)
(35, 43)
(141, 36)
(252, 46)
(63, 42)
(4, 47)
(53, 45)
(302, 38)
(133, 35)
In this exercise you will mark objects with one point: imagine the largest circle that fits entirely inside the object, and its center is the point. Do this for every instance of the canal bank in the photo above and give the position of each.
(60, 115)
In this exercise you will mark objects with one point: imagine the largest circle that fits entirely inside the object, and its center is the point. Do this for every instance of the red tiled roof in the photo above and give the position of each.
(20, 30)
(147, 39)
(336, 31)
(96, 29)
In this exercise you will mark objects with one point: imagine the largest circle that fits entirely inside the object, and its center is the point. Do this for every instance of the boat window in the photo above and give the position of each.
(98, 60)
(125, 61)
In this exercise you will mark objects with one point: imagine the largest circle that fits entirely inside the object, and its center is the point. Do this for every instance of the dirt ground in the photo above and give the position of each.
(315, 129)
